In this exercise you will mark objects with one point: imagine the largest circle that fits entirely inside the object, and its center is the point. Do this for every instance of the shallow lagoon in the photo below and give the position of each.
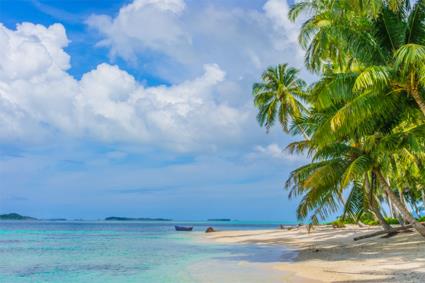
(45, 251)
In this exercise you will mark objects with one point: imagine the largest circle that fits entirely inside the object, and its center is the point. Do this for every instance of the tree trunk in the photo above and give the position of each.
(403, 210)
(381, 218)
(423, 197)
(416, 95)
(390, 205)
(374, 234)
(373, 205)
(401, 197)
(394, 212)
(399, 218)
(415, 207)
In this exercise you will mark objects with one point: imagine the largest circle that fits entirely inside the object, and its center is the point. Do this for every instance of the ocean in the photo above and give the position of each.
(104, 251)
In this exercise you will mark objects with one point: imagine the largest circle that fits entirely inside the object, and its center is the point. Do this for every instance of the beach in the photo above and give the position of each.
(327, 254)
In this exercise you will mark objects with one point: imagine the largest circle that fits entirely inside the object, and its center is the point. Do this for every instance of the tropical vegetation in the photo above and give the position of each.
(363, 119)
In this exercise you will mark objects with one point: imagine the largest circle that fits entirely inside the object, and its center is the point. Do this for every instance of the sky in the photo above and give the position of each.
(142, 108)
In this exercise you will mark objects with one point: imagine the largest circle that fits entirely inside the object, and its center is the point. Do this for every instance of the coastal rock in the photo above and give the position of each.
(209, 230)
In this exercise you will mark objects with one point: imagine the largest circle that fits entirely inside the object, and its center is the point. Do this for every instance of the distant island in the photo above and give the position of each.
(15, 216)
(219, 219)
(115, 218)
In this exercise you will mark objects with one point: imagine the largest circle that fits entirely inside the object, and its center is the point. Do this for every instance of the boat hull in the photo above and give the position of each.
(181, 228)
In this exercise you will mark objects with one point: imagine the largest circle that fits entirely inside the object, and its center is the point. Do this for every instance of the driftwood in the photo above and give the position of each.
(389, 232)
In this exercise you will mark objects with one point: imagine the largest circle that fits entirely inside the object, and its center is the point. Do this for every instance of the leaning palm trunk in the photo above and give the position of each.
(400, 207)
(373, 205)
(415, 207)
(403, 203)
(375, 209)
(423, 198)
(418, 99)
(399, 217)
(390, 205)
(394, 212)
(401, 196)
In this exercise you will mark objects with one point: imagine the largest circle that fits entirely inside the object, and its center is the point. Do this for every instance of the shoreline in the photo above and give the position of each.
(330, 255)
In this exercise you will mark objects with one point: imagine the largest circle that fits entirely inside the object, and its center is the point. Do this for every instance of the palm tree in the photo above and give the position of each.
(365, 124)
(326, 36)
(279, 96)
(371, 200)
(337, 167)
(358, 152)
(384, 43)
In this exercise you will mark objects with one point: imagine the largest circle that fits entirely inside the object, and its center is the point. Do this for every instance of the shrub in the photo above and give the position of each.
(367, 218)
(393, 221)
(338, 223)
(421, 219)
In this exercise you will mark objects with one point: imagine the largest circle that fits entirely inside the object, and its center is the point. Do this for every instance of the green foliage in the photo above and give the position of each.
(421, 219)
(367, 219)
(393, 221)
(339, 223)
(364, 116)
(278, 96)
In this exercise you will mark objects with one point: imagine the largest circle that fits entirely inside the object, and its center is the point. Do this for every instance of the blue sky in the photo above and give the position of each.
(142, 108)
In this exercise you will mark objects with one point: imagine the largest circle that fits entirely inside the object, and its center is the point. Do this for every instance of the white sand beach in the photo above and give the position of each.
(330, 255)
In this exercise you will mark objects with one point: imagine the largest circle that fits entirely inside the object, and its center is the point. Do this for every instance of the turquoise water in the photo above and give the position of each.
(115, 252)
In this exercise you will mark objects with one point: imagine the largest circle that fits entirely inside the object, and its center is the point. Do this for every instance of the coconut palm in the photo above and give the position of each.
(338, 167)
(278, 97)
(384, 42)
(365, 124)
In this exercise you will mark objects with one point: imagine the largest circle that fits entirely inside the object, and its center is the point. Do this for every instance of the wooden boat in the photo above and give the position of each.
(182, 228)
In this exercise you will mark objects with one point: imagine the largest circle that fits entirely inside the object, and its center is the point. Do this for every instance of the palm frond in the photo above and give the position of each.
(376, 77)
(409, 56)
(416, 24)
(355, 204)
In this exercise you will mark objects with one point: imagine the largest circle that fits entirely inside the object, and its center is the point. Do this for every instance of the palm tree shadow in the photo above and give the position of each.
(405, 250)
(407, 274)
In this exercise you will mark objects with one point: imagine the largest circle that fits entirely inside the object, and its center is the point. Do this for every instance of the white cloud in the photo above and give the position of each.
(152, 20)
(274, 151)
(211, 54)
(42, 100)
(241, 41)
(32, 49)
(277, 11)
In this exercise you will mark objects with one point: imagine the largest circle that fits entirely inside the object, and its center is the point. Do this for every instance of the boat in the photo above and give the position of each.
(183, 228)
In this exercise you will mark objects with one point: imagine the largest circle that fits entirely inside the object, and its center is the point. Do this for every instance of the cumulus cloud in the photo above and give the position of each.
(110, 124)
(32, 49)
(153, 20)
(242, 41)
(210, 54)
(39, 99)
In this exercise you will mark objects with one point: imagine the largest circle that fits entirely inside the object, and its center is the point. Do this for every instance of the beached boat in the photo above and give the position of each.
(182, 228)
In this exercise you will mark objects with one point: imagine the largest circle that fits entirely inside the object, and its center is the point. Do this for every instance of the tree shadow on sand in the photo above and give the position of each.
(405, 250)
